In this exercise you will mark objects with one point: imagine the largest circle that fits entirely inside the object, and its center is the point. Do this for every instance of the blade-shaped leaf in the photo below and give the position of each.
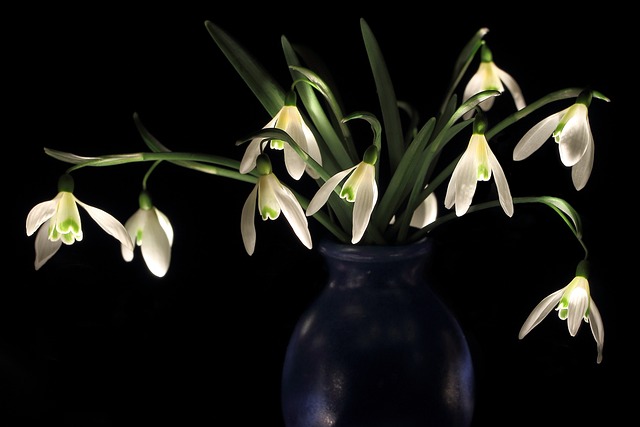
(265, 88)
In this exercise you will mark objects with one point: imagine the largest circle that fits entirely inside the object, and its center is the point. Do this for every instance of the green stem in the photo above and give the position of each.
(196, 161)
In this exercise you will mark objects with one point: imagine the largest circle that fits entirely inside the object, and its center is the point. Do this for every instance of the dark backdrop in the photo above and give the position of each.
(92, 341)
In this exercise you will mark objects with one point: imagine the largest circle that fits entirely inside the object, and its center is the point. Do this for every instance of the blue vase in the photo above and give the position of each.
(377, 348)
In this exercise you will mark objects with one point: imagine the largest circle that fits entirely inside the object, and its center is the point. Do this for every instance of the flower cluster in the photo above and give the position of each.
(356, 200)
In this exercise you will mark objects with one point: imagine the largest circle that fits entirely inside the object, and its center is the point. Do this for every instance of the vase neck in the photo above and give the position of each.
(381, 266)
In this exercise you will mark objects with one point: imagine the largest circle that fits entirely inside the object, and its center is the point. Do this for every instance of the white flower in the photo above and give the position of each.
(360, 189)
(570, 129)
(150, 229)
(476, 164)
(574, 304)
(289, 120)
(58, 221)
(490, 77)
(272, 198)
(425, 213)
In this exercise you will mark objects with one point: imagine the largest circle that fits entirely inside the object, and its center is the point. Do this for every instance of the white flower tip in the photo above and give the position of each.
(523, 331)
(518, 155)
(127, 253)
(158, 272)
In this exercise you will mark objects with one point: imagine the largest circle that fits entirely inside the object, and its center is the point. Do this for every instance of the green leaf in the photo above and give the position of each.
(386, 96)
(567, 209)
(264, 87)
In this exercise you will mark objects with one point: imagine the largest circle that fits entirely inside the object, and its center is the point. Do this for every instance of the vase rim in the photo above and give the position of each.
(348, 251)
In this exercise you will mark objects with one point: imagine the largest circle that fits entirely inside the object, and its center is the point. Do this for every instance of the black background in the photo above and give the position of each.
(90, 340)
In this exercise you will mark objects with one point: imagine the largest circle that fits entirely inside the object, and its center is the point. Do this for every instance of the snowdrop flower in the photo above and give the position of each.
(272, 198)
(477, 163)
(490, 77)
(289, 120)
(574, 304)
(58, 221)
(425, 213)
(570, 129)
(360, 189)
(150, 229)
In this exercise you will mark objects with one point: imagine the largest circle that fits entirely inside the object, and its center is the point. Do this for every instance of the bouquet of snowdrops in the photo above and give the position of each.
(376, 190)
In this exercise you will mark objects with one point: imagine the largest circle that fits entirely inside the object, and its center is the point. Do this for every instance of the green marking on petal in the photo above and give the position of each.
(348, 193)
(484, 173)
(268, 213)
(68, 238)
(53, 233)
(277, 144)
(69, 225)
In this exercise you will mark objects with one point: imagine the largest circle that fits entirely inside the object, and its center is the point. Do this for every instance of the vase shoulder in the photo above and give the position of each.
(377, 347)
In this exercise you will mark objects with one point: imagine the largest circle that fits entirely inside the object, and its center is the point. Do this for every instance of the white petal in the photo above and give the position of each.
(581, 171)
(248, 162)
(504, 194)
(127, 254)
(40, 213)
(474, 86)
(364, 203)
(45, 248)
(136, 223)
(156, 249)
(575, 136)
(462, 184)
(540, 311)
(247, 225)
(514, 88)
(323, 193)
(313, 150)
(578, 303)
(109, 224)
(295, 215)
(426, 212)
(294, 163)
(165, 224)
(294, 125)
(268, 204)
(536, 136)
(597, 328)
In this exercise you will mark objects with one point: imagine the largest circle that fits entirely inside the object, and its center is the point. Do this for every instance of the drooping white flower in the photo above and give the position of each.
(272, 198)
(571, 130)
(58, 221)
(425, 213)
(150, 229)
(289, 120)
(360, 188)
(574, 304)
(490, 77)
(477, 163)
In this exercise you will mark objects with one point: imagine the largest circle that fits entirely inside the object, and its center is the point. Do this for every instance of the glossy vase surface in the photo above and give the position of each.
(377, 348)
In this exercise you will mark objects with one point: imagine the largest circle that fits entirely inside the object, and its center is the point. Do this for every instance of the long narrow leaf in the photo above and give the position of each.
(265, 88)
(386, 96)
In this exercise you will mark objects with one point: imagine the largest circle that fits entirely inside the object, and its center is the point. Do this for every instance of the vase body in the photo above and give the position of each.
(377, 348)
